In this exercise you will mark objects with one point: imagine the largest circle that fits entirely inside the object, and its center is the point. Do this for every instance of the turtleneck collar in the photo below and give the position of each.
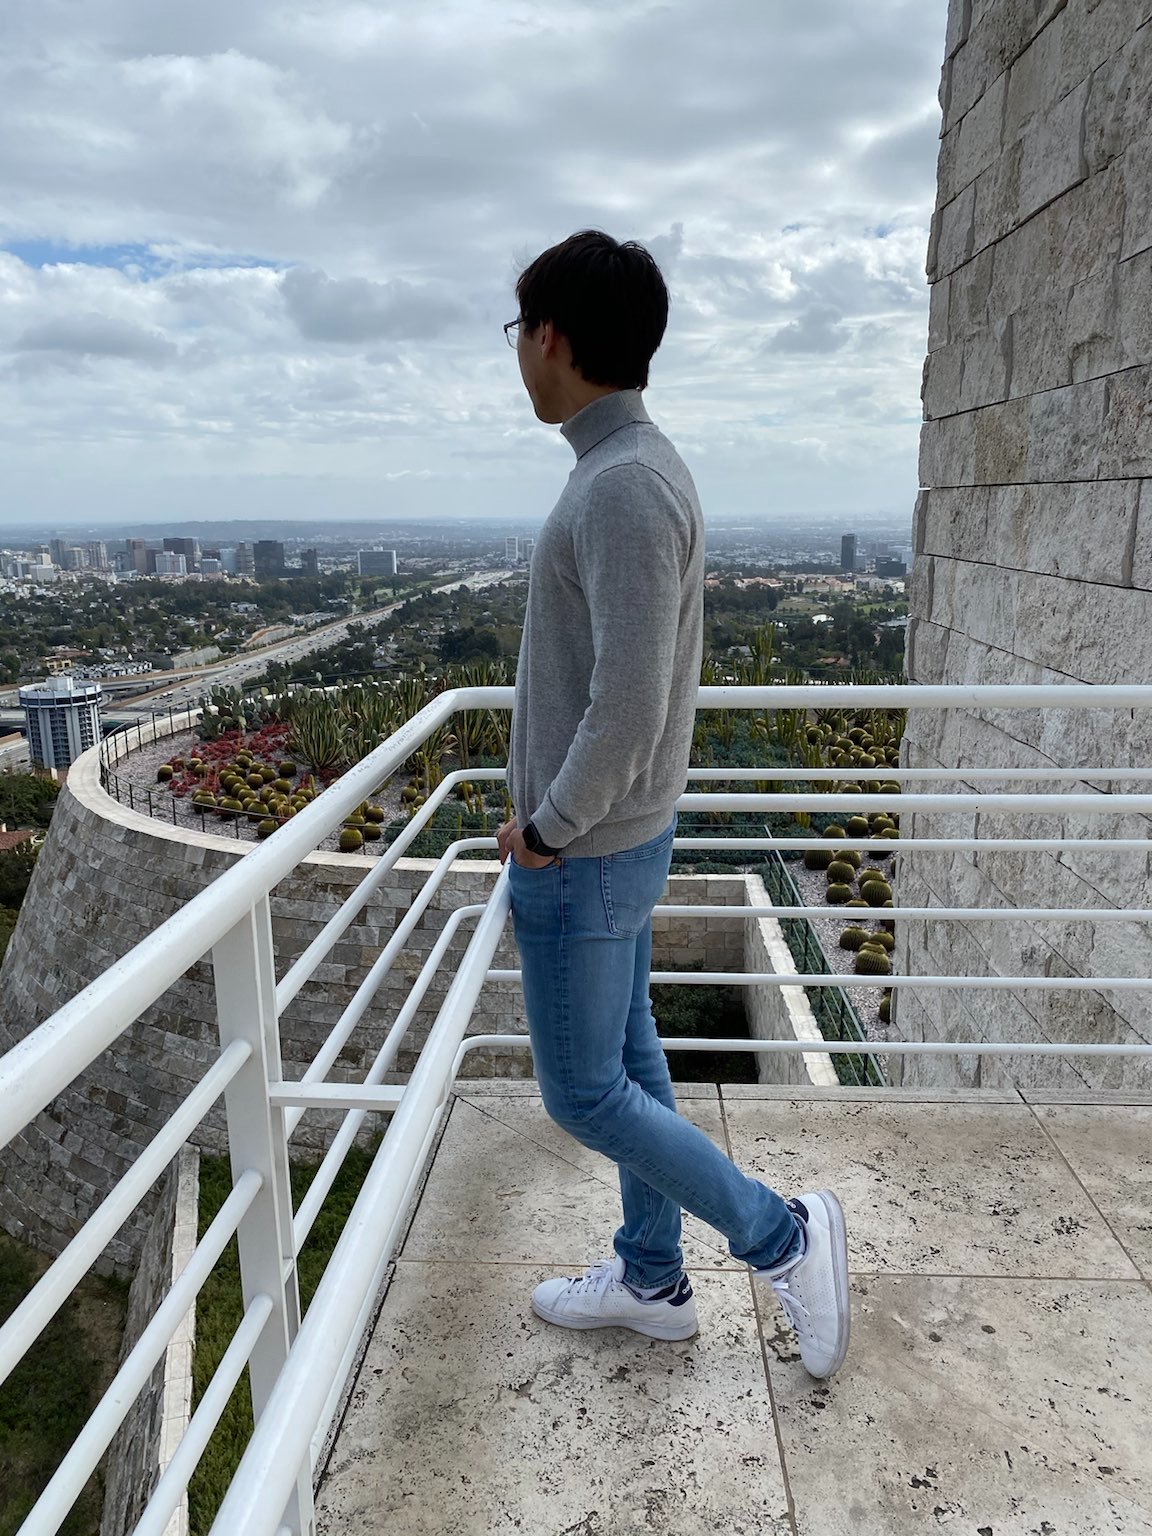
(603, 416)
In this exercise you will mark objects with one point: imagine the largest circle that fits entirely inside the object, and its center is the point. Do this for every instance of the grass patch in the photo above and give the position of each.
(51, 1393)
(219, 1310)
(704, 1013)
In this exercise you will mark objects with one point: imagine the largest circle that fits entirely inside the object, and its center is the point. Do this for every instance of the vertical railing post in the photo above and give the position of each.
(245, 974)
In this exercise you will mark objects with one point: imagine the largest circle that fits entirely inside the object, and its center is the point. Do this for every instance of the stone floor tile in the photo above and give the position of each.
(471, 1415)
(1110, 1150)
(847, 1095)
(1118, 1096)
(969, 1189)
(508, 1185)
(1019, 1408)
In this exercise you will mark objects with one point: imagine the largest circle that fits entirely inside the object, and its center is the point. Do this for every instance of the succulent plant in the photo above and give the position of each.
(857, 901)
(834, 829)
(857, 826)
(374, 813)
(840, 872)
(885, 940)
(351, 839)
(885, 1010)
(852, 938)
(814, 858)
(287, 769)
(870, 962)
(371, 831)
(164, 773)
(837, 894)
(877, 893)
(266, 827)
(228, 808)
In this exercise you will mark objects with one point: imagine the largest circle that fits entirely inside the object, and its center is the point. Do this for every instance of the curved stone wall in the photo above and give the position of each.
(108, 876)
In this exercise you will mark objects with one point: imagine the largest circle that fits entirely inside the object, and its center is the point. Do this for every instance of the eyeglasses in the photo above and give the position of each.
(510, 331)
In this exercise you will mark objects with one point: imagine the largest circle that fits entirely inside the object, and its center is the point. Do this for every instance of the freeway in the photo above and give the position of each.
(194, 682)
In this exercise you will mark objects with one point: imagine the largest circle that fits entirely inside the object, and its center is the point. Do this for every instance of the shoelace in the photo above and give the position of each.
(797, 1313)
(594, 1278)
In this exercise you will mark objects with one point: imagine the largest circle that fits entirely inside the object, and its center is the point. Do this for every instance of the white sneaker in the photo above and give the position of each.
(599, 1298)
(813, 1289)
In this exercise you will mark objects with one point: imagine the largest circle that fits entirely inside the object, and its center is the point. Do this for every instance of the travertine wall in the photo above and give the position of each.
(1033, 536)
(149, 1435)
(108, 876)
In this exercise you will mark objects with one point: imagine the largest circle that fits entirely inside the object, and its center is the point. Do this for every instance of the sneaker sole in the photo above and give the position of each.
(654, 1330)
(840, 1275)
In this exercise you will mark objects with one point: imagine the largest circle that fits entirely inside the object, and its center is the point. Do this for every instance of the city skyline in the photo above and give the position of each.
(276, 294)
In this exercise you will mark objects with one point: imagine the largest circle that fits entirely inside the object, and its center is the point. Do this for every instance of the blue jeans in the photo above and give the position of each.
(584, 930)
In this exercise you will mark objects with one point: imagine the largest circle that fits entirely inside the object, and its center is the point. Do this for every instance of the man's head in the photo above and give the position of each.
(592, 314)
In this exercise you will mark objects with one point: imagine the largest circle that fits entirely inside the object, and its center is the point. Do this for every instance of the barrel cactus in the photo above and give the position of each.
(814, 858)
(877, 893)
(885, 1010)
(351, 840)
(870, 962)
(837, 894)
(841, 872)
(852, 938)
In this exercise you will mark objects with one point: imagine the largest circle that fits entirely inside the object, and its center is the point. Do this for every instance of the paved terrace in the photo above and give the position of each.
(999, 1381)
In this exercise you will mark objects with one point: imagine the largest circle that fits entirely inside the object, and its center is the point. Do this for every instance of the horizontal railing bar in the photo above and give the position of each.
(923, 696)
(852, 772)
(354, 1012)
(54, 1287)
(336, 1095)
(325, 1175)
(178, 1473)
(1087, 805)
(295, 977)
(903, 844)
(832, 979)
(847, 1047)
(67, 1483)
(871, 914)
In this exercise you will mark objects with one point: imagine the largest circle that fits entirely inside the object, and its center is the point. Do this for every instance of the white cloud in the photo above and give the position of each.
(274, 244)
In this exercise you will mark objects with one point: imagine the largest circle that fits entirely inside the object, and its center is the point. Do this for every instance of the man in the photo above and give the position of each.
(601, 732)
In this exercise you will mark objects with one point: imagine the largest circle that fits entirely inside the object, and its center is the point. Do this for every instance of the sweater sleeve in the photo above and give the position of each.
(631, 543)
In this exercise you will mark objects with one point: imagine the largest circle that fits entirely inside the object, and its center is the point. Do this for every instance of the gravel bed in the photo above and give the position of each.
(140, 767)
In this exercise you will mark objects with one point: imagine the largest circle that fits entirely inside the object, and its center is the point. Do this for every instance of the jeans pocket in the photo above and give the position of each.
(632, 883)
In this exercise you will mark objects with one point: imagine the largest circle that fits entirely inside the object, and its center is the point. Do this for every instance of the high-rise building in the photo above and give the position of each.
(63, 720)
(56, 548)
(73, 557)
(376, 562)
(210, 566)
(189, 548)
(526, 548)
(512, 550)
(169, 564)
(245, 560)
(138, 549)
(268, 556)
(309, 562)
(848, 552)
(98, 555)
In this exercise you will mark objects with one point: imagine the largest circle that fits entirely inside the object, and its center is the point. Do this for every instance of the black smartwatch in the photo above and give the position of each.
(534, 844)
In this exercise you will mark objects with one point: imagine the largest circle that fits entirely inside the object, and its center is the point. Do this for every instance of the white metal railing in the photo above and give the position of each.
(298, 1367)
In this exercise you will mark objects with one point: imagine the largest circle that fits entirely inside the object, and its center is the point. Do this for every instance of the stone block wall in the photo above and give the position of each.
(1033, 533)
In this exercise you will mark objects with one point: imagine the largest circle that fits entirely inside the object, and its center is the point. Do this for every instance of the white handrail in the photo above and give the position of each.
(295, 1415)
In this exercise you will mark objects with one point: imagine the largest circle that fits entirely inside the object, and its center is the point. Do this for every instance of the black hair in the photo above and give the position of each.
(608, 299)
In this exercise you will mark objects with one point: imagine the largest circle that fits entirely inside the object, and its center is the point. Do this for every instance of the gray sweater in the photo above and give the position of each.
(610, 660)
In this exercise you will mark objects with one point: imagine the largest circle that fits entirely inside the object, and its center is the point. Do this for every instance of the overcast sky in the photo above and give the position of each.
(255, 257)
